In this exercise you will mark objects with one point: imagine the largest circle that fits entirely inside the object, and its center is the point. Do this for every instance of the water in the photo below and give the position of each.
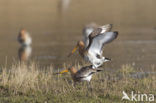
(56, 26)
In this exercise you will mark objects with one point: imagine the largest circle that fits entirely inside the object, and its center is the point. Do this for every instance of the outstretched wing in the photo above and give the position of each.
(87, 31)
(96, 44)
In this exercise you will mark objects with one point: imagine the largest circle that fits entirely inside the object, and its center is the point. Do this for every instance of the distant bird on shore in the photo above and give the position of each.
(93, 50)
(24, 38)
(84, 74)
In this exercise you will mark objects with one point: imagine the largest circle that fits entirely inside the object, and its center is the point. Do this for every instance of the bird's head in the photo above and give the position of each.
(22, 31)
(80, 44)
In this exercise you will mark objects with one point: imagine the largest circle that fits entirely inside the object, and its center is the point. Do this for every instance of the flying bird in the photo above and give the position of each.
(93, 50)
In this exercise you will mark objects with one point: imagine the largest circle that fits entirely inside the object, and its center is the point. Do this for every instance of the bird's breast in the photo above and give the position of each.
(88, 78)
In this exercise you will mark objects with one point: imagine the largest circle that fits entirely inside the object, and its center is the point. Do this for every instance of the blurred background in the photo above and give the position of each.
(56, 26)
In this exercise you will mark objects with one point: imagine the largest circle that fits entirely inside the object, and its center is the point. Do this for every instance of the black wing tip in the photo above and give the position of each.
(111, 24)
(116, 34)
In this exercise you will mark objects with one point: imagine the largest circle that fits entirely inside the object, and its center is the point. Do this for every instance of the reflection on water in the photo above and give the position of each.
(54, 38)
(24, 53)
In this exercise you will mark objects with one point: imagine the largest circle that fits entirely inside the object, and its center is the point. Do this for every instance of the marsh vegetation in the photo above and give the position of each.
(31, 83)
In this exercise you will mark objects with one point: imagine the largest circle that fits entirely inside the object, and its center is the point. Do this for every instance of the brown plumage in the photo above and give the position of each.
(24, 38)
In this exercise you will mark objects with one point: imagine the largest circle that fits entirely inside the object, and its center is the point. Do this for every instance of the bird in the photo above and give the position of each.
(94, 50)
(24, 38)
(84, 74)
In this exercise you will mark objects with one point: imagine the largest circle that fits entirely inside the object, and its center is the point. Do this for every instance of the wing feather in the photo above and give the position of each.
(87, 31)
(100, 40)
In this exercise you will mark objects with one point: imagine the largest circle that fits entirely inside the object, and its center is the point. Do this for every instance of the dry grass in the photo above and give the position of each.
(31, 80)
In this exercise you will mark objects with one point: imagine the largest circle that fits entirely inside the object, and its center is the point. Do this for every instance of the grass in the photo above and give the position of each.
(32, 84)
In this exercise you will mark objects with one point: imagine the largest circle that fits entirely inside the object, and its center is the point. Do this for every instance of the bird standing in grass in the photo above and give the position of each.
(84, 74)
(24, 38)
(93, 50)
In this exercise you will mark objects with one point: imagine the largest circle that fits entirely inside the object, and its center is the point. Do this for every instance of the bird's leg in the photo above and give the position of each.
(105, 59)
(89, 86)
(94, 65)
(74, 84)
(98, 62)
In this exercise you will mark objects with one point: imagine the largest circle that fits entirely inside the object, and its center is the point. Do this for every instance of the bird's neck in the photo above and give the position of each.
(82, 50)
(73, 71)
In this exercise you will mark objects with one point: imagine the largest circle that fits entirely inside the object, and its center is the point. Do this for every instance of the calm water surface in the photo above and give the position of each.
(56, 26)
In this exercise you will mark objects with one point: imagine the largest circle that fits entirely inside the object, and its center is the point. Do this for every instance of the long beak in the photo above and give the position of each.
(64, 71)
(73, 51)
